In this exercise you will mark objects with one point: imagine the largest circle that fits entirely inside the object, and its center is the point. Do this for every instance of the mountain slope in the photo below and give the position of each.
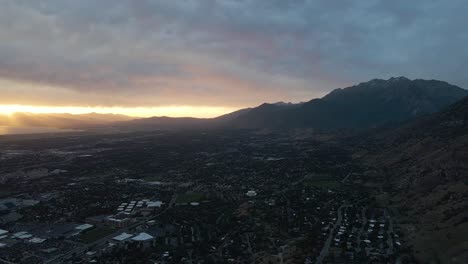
(164, 122)
(374, 103)
(364, 105)
(425, 166)
(265, 115)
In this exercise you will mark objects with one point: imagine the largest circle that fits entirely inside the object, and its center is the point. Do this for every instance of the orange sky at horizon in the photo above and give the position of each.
(172, 111)
(171, 100)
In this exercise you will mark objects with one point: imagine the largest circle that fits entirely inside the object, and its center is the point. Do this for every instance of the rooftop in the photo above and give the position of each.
(122, 237)
(143, 237)
(84, 227)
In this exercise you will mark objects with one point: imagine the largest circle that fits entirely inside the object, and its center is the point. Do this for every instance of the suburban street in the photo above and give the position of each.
(326, 247)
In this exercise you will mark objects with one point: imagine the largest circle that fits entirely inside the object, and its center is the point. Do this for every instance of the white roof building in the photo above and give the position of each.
(251, 193)
(122, 237)
(143, 237)
(37, 240)
(154, 204)
(22, 235)
(84, 227)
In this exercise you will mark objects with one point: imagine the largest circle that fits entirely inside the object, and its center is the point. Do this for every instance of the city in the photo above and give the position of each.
(175, 197)
(233, 131)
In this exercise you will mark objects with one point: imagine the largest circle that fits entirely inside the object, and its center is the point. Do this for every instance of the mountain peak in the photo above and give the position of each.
(368, 104)
(398, 79)
(373, 103)
(281, 103)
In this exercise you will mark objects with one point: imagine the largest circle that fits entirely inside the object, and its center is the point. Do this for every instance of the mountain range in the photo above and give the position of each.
(369, 104)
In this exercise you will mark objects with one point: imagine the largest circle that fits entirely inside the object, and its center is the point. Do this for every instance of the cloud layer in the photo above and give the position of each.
(220, 53)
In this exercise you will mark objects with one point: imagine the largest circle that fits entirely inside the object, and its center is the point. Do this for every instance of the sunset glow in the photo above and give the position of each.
(208, 58)
(173, 111)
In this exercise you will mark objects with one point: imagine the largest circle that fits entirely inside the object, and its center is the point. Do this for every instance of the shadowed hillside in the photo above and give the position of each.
(370, 104)
(425, 163)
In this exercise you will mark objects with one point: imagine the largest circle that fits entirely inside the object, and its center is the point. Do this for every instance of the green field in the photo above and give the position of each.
(96, 234)
(189, 197)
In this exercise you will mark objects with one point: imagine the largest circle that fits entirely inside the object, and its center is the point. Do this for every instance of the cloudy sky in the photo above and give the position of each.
(213, 56)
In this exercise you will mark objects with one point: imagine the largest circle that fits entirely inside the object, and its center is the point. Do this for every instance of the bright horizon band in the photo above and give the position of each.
(172, 111)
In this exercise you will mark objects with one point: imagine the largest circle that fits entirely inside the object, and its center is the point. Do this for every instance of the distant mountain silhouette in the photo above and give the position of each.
(369, 104)
(265, 115)
(364, 105)
(60, 120)
(163, 122)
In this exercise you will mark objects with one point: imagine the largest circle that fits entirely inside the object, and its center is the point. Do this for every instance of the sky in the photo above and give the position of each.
(207, 57)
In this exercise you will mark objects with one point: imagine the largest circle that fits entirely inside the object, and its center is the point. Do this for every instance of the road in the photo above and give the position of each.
(327, 244)
(102, 241)
(361, 231)
(347, 176)
(6, 261)
(389, 233)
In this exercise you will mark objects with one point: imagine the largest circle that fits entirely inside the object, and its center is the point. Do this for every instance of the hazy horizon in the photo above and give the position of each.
(208, 58)
(135, 112)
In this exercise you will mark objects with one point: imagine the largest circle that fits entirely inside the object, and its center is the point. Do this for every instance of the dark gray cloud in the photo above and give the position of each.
(224, 52)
